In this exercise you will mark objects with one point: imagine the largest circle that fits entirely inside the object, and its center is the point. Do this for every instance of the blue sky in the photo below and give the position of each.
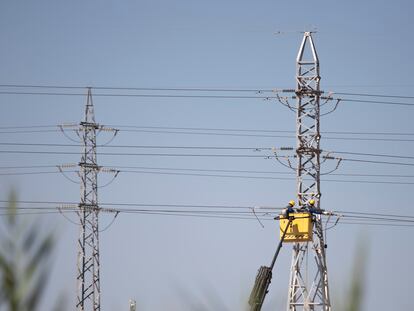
(364, 47)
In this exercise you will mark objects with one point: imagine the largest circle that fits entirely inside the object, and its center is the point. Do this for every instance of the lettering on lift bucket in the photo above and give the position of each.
(299, 230)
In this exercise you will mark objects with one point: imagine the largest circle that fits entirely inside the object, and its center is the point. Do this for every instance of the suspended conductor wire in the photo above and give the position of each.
(334, 225)
(140, 95)
(374, 95)
(132, 169)
(111, 223)
(351, 215)
(28, 213)
(386, 182)
(236, 148)
(252, 135)
(116, 173)
(208, 209)
(67, 136)
(381, 222)
(137, 88)
(67, 218)
(195, 89)
(254, 213)
(195, 96)
(221, 217)
(67, 177)
(218, 129)
(29, 173)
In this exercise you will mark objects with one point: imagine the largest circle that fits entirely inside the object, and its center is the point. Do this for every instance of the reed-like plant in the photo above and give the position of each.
(25, 259)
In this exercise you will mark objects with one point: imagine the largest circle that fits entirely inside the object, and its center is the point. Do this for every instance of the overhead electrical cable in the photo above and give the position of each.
(374, 95)
(355, 214)
(387, 182)
(119, 126)
(383, 224)
(193, 89)
(377, 102)
(127, 168)
(263, 156)
(243, 133)
(253, 148)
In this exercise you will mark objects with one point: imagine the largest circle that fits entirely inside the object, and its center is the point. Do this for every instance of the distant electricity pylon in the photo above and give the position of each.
(89, 289)
(88, 210)
(313, 293)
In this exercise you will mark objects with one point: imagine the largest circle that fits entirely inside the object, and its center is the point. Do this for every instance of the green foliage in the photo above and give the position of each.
(25, 253)
(356, 289)
(352, 299)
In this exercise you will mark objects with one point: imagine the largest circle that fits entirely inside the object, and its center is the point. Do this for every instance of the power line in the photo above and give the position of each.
(134, 204)
(141, 154)
(140, 95)
(375, 218)
(197, 155)
(267, 178)
(196, 89)
(218, 129)
(357, 217)
(266, 136)
(26, 126)
(74, 205)
(374, 224)
(256, 171)
(374, 95)
(139, 146)
(29, 131)
(213, 170)
(217, 216)
(376, 214)
(26, 166)
(378, 162)
(375, 154)
(255, 130)
(257, 148)
(208, 216)
(137, 88)
(32, 173)
(246, 135)
(29, 213)
(271, 178)
(221, 176)
(377, 102)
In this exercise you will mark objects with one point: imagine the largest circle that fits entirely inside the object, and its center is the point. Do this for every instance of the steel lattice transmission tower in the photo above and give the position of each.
(88, 244)
(308, 287)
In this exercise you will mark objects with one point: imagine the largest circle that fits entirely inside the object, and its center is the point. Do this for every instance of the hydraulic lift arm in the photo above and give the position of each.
(264, 277)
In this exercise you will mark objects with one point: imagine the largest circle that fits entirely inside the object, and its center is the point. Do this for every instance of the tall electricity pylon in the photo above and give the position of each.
(88, 253)
(308, 293)
(88, 210)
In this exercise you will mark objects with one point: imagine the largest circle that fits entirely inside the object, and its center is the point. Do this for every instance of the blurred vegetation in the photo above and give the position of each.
(356, 290)
(25, 260)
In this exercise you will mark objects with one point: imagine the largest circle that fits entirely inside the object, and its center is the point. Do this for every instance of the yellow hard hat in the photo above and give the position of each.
(292, 203)
(312, 202)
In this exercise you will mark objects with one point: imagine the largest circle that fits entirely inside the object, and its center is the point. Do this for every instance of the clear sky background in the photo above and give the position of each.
(171, 263)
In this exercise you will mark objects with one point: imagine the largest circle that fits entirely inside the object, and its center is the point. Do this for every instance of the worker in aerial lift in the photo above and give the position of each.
(288, 209)
(310, 207)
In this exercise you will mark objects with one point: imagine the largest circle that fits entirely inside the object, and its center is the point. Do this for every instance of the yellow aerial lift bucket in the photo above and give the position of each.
(300, 228)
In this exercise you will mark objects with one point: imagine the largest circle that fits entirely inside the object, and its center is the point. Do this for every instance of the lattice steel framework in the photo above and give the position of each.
(308, 287)
(88, 253)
